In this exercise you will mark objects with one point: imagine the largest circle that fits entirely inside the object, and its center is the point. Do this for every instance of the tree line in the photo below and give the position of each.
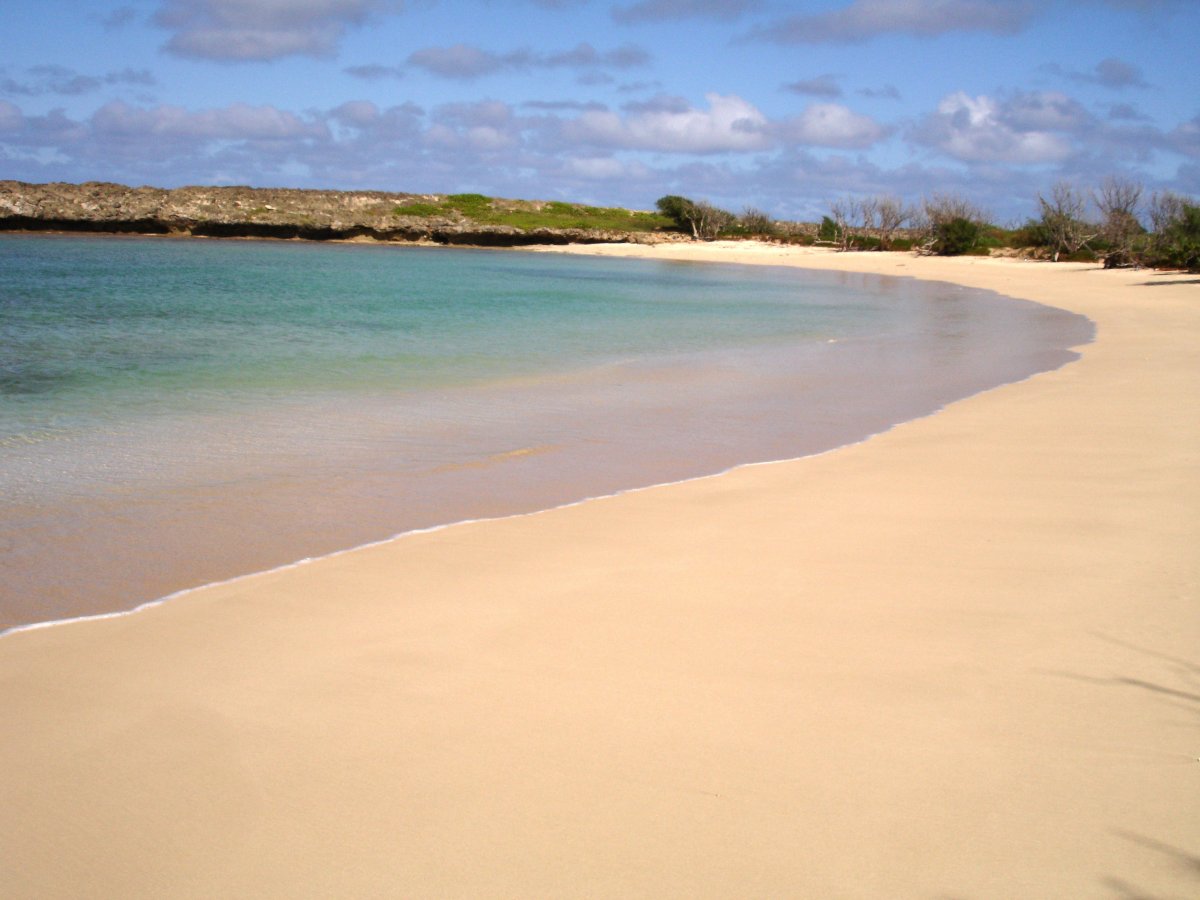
(1115, 222)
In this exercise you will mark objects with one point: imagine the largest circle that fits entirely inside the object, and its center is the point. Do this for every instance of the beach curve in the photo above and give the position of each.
(957, 659)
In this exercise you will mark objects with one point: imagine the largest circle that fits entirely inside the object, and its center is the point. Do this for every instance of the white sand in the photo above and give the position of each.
(961, 659)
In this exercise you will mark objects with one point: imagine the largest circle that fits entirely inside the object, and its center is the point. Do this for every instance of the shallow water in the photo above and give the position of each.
(178, 412)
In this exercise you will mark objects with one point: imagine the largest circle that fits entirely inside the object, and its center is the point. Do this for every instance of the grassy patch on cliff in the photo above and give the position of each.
(529, 215)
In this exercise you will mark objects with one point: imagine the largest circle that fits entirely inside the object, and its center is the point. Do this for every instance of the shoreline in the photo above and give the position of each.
(715, 409)
(401, 535)
(949, 659)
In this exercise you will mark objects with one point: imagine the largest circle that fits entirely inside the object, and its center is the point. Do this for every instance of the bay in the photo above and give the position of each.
(174, 412)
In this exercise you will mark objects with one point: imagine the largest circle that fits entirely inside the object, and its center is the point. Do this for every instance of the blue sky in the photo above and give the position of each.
(782, 106)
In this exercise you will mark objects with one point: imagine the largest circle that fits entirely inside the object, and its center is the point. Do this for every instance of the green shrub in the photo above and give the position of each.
(700, 217)
(956, 236)
(756, 222)
(1177, 243)
(470, 205)
(422, 210)
(1032, 234)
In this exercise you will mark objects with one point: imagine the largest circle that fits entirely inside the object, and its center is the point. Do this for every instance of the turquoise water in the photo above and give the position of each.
(175, 412)
(97, 329)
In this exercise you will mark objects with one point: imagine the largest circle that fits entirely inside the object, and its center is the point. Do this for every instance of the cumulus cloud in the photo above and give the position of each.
(585, 56)
(1045, 111)
(256, 30)
(374, 72)
(596, 167)
(356, 113)
(239, 121)
(53, 79)
(1137, 5)
(887, 92)
(862, 20)
(360, 128)
(486, 126)
(482, 113)
(821, 86)
(564, 105)
(674, 10)
(1185, 138)
(11, 117)
(465, 61)
(1109, 73)
(1028, 129)
(1126, 112)
(119, 17)
(730, 124)
(1115, 73)
(833, 125)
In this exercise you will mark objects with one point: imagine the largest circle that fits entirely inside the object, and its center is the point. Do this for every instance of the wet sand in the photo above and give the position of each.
(955, 660)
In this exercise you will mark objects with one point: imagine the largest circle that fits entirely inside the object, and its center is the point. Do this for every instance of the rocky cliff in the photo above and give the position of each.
(273, 213)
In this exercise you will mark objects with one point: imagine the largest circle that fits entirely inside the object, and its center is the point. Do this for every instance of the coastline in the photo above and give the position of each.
(294, 475)
(952, 659)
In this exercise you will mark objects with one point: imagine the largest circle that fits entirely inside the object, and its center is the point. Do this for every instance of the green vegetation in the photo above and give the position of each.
(944, 225)
(1118, 237)
(703, 221)
(1175, 241)
(528, 215)
(953, 226)
(420, 210)
(699, 217)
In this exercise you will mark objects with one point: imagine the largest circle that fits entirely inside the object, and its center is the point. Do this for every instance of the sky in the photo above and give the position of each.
(783, 107)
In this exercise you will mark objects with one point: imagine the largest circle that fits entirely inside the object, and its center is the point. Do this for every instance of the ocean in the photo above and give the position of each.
(175, 412)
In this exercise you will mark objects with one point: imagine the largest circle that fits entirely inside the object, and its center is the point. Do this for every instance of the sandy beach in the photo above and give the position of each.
(957, 660)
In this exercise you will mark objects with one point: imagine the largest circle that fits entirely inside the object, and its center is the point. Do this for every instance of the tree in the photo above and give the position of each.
(704, 220)
(1118, 199)
(952, 225)
(854, 220)
(1062, 217)
(1176, 239)
(755, 221)
(675, 208)
(843, 211)
(891, 216)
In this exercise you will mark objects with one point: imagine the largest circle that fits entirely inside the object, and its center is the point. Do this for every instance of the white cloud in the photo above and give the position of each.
(463, 61)
(821, 86)
(490, 139)
(466, 61)
(1185, 138)
(674, 10)
(239, 121)
(1116, 73)
(833, 125)
(980, 129)
(1112, 73)
(866, 19)
(730, 124)
(254, 30)
(11, 118)
(1045, 111)
(598, 168)
(54, 79)
(357, 113)
(374, 71)
(491, 113)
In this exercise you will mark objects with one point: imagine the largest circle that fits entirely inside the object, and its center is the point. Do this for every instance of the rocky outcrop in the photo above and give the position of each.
(242, 212)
